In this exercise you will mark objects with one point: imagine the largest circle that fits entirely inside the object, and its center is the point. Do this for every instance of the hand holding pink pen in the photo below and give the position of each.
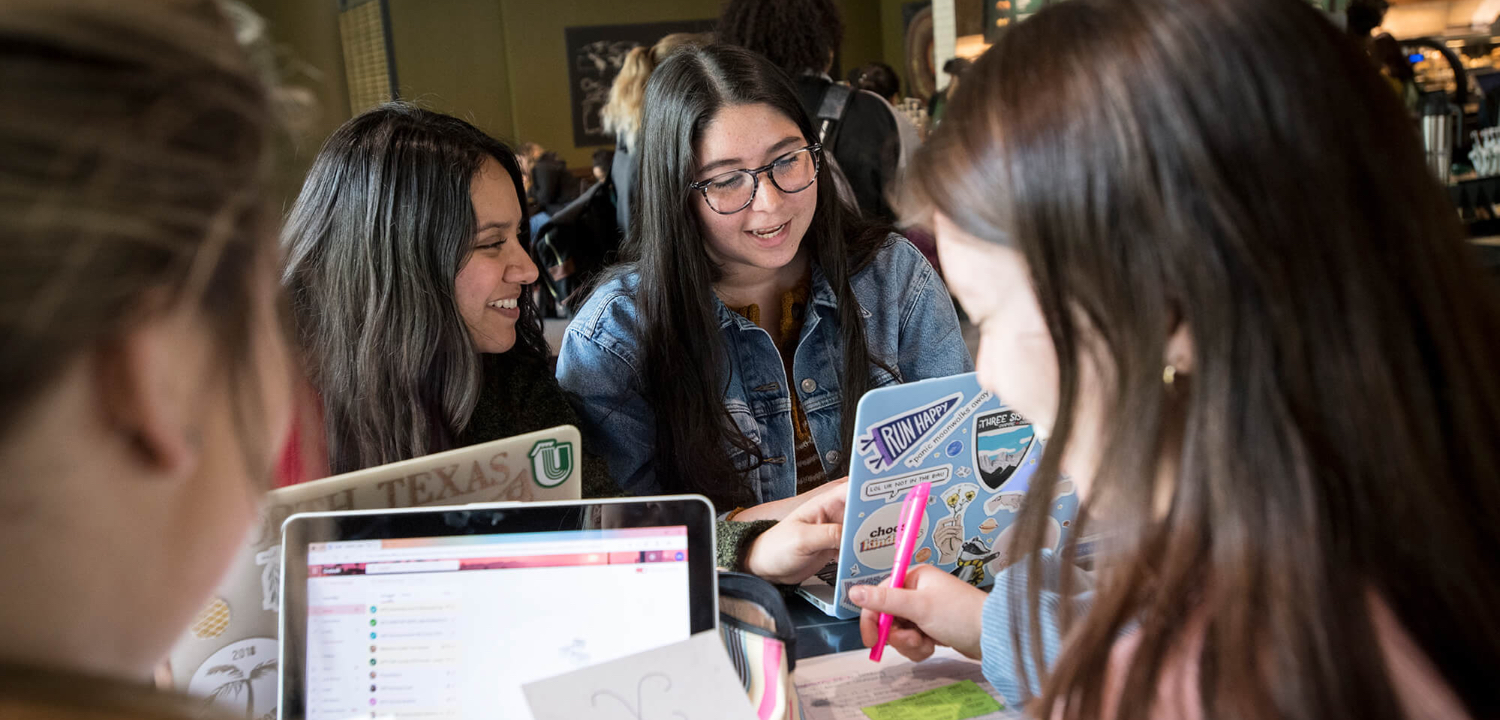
(906, 539)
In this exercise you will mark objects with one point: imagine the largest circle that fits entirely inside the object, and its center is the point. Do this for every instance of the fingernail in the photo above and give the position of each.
(857, 595)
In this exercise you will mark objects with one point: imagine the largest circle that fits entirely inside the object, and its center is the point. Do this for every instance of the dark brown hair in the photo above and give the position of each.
(133, 148)
(685, 379)
(797, 36)
(374, 245)
(1248, 174)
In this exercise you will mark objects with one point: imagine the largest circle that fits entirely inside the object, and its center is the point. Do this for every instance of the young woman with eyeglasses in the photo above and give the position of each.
(727, 356)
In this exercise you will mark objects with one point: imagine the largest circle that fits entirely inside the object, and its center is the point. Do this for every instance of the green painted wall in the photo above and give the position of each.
(539, 73)
(305, 34)
(499, 64)
(893, 39)
(862, 37)
(451, 57)
(535, 54)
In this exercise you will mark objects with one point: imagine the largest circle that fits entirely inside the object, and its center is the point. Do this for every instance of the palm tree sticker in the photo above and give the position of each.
(240, 683)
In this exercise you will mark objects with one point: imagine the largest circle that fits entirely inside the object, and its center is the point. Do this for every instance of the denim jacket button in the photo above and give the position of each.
(833, 457)
(809, 385)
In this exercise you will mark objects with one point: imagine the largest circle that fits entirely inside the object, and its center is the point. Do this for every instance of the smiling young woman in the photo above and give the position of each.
(728, 355)
(409, 285)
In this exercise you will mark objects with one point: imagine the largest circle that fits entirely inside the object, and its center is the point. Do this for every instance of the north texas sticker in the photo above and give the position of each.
(889, 440)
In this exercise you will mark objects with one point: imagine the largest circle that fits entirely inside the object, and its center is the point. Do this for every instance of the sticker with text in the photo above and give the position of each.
(889, 440)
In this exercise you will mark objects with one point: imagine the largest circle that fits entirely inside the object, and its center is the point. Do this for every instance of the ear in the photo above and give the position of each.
(146, 381)
(1180, 352)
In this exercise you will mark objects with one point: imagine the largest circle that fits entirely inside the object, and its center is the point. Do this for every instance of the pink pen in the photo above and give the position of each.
(906, 542)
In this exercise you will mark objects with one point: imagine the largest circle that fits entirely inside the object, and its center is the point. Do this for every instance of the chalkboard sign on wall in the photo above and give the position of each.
(595, 53)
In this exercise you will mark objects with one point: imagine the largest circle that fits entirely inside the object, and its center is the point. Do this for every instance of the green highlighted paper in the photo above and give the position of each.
(950, 702)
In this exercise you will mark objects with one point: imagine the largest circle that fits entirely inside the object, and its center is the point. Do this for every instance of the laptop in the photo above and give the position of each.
(447, 612)
(234, 637)
(979, 455)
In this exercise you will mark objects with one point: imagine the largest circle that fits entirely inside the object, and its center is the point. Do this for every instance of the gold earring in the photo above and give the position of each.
(1169, 375)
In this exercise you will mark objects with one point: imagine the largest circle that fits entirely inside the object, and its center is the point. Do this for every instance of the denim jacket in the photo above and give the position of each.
(910, 324)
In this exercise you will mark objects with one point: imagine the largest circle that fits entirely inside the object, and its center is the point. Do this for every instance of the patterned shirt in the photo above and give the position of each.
(793, 313)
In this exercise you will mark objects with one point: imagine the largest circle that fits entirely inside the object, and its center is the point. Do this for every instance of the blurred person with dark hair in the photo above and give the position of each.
(937, 105)
(603, 159)
(549, 186)
(802, 37)
(1360, 21)
(1363, 16)
(879, 78)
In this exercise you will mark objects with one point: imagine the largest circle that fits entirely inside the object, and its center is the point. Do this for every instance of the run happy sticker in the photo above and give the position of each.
(890, 439)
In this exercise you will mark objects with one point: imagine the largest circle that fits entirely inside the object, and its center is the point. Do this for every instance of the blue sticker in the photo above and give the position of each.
(954, 448)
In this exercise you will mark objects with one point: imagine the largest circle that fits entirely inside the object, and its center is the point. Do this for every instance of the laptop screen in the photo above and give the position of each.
(451, 627)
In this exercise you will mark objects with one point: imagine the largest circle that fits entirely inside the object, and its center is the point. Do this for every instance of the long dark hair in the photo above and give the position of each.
(380, 231)
(795, 35)
(1249, 175)
(685, 361)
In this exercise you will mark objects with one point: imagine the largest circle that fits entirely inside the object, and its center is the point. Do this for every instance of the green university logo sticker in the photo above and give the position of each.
(551, 462)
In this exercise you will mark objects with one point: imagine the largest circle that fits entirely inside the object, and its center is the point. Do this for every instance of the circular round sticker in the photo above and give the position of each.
(954, 448)
(240, 679)
(1002, 546)
(875, 542)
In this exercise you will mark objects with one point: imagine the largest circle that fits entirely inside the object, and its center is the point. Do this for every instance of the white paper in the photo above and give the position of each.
(690, 680)
(837, 687)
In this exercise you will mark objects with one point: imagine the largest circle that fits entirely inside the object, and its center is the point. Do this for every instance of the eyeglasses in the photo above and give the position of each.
(733, 191)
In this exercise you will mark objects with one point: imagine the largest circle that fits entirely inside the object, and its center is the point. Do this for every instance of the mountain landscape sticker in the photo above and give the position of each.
(1001, 440)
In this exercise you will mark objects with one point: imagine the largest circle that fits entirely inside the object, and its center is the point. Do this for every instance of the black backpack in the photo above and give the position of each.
(578, 241)
(830, 116)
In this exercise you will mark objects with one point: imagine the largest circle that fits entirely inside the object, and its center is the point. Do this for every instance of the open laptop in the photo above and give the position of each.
(979, 455)
(447, 612)
(229, 653)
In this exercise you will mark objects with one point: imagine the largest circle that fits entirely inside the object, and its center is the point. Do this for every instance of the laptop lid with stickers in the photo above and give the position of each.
(979, 456)
(448, 612)
(228, 656)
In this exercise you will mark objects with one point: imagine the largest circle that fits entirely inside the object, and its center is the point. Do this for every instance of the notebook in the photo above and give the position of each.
(979, 455)
(448, 612)
(234, 637)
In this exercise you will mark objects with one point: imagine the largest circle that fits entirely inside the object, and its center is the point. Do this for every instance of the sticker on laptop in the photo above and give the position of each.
(551, 462)
(1001, 440)
(889, 440)
(1004, 556)
(872, 579)
(269, 561)
(894, 488)
(240, 679)
(951, 423)
(948, 533)
(875, 541)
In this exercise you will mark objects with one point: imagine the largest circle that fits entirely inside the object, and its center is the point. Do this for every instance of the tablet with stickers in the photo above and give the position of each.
(979, 455)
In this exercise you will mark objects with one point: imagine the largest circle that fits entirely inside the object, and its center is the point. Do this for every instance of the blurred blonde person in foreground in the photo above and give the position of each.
(144, 385)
